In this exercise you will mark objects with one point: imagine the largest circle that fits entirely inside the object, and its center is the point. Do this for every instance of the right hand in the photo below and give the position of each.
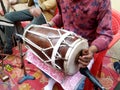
(1, 13)
(35, 11)
(85, 58)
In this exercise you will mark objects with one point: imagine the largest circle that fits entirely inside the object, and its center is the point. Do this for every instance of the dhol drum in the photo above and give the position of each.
(57, 47)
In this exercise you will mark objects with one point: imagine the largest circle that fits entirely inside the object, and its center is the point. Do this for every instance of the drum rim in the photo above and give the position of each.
(69, 55)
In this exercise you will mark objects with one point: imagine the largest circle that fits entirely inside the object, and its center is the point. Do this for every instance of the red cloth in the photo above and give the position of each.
(115, 21)
(25, 23)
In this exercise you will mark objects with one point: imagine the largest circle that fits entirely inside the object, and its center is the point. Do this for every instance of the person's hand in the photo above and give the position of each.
(86, 56)
(35, 11)
(1, 13)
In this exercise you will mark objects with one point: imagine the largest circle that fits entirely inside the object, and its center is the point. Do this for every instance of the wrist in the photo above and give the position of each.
(49, 24)
(93, 49)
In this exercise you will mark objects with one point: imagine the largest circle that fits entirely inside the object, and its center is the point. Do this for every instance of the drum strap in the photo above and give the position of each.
(55, 49)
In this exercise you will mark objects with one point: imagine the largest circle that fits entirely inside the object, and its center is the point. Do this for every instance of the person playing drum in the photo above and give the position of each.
(90, 19)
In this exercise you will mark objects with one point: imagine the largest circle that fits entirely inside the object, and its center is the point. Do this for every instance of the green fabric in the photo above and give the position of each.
(117, 86)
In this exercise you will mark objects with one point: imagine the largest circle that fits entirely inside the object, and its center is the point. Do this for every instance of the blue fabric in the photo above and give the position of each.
(117, 66)
(23, 15)
(81, 85)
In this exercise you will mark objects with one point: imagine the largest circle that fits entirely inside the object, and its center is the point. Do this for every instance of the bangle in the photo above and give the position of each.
(49, 25)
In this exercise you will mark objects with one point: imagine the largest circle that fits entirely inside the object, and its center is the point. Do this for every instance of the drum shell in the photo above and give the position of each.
(43, 37)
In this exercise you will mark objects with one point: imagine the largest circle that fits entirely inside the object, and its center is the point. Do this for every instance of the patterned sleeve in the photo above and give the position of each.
(104, 29)
(58, 17)
(57, 20)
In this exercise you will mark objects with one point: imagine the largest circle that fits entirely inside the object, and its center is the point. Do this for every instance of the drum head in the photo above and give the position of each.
(70, 66)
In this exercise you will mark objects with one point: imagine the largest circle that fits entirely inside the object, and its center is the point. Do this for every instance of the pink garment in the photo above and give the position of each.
(90, 19)
(67, 82)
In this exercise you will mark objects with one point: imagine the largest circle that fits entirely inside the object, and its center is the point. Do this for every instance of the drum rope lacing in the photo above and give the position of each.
(55, 48)
(55, 53)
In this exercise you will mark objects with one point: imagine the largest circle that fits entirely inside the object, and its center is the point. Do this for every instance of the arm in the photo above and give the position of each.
(104, 29)
(56, 21)
(103, 37)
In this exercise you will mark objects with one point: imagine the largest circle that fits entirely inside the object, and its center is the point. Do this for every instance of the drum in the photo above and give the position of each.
(56, 47)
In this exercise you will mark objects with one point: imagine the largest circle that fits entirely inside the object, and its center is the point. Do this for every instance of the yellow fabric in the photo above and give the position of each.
(30, 2)
(48, 7)
(22, 1)
(19, 7)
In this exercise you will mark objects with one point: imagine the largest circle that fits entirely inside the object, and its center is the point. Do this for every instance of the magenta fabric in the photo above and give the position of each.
(68, 82)
(88, 18)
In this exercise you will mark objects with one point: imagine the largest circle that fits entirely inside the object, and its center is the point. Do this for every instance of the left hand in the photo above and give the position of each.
(85, 59)
(86, 56)
(35, 11)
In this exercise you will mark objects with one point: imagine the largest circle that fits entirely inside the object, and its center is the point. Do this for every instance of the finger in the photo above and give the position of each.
(1, 12)
(85, 52)
(83, 62)
(84, 59)
(82, 66)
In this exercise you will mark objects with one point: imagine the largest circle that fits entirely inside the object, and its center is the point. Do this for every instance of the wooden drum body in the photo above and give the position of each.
(57, 47)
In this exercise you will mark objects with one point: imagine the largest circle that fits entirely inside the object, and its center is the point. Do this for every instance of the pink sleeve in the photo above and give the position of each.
(104, 30)
(57, 20)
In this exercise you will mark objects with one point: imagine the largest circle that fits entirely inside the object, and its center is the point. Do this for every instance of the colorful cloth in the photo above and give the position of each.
(89, 18)
(67, 82)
